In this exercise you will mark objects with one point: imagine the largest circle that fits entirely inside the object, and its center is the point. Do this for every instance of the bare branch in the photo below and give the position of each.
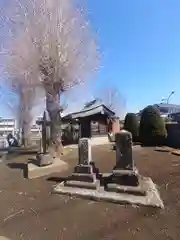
(50, 46)
(113, 99)
(52, 41)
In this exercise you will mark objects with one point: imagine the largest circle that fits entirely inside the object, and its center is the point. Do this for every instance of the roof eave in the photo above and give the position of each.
(88, 112)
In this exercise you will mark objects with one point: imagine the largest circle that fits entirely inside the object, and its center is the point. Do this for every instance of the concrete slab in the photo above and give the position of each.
(152, 197)
(34, 171)
(4, 238)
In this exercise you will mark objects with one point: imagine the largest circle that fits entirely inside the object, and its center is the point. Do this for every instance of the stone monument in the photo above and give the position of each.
(124, 173)
(124, 185)
(124, 160)
(83, 175)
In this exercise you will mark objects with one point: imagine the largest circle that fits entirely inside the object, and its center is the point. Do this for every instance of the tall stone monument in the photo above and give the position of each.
(83, 175)
(124, 160)
(124, 173)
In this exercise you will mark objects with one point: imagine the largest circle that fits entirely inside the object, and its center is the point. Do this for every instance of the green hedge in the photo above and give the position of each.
(152, 129)
(131, 124)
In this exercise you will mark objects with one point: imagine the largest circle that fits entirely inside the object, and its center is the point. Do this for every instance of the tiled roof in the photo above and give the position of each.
(92, 108)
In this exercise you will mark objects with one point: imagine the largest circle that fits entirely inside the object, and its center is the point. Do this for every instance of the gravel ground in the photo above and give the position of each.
(29, 211)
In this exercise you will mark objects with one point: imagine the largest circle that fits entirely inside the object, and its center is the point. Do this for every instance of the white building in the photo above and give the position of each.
(7, 125)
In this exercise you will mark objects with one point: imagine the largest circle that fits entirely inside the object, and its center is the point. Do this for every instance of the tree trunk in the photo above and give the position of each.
(25, 134)
(53, 108)
(24, 117)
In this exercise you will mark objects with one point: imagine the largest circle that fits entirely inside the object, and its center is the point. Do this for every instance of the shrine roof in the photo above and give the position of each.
(92, 108)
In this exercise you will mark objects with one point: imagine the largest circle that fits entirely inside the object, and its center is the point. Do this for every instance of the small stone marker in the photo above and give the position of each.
(83, 176)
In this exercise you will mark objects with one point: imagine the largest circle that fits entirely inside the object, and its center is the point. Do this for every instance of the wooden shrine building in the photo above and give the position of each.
(95, 119)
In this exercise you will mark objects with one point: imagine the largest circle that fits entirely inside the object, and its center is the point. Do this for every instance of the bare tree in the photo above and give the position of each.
(18, 108)
(20, 100)
(112, 98)
(51, 47)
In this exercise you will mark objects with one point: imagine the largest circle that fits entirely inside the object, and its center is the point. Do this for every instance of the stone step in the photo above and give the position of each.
(121, 172)
(138, 190)
(84, 177)
(87, 169)
(79, 184)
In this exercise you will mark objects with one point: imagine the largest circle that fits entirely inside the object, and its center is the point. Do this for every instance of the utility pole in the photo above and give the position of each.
(170, 96)
(167, 99)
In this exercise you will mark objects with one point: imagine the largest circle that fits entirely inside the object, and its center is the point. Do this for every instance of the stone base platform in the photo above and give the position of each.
(44, 159)
(84, 176)
(34, 171)
(152, 197)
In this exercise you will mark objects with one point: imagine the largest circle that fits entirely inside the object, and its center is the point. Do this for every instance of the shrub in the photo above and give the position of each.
(152, 129)
(131, 124)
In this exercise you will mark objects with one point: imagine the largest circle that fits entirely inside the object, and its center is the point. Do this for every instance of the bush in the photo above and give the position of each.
(152, 129)
(131, 124)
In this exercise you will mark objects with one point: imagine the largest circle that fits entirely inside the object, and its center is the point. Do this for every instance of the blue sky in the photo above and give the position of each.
(140, 48)
(140, 41)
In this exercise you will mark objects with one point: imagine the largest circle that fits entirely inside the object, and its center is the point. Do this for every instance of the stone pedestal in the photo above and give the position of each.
(84, 175)
(44, 159)
(125, 177)
(32, 170)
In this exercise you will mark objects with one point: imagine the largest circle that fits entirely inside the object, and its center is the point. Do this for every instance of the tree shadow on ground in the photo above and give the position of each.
(20, 166)
(161, 150)
(22, 151)
(33, 161)
(16, 165)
